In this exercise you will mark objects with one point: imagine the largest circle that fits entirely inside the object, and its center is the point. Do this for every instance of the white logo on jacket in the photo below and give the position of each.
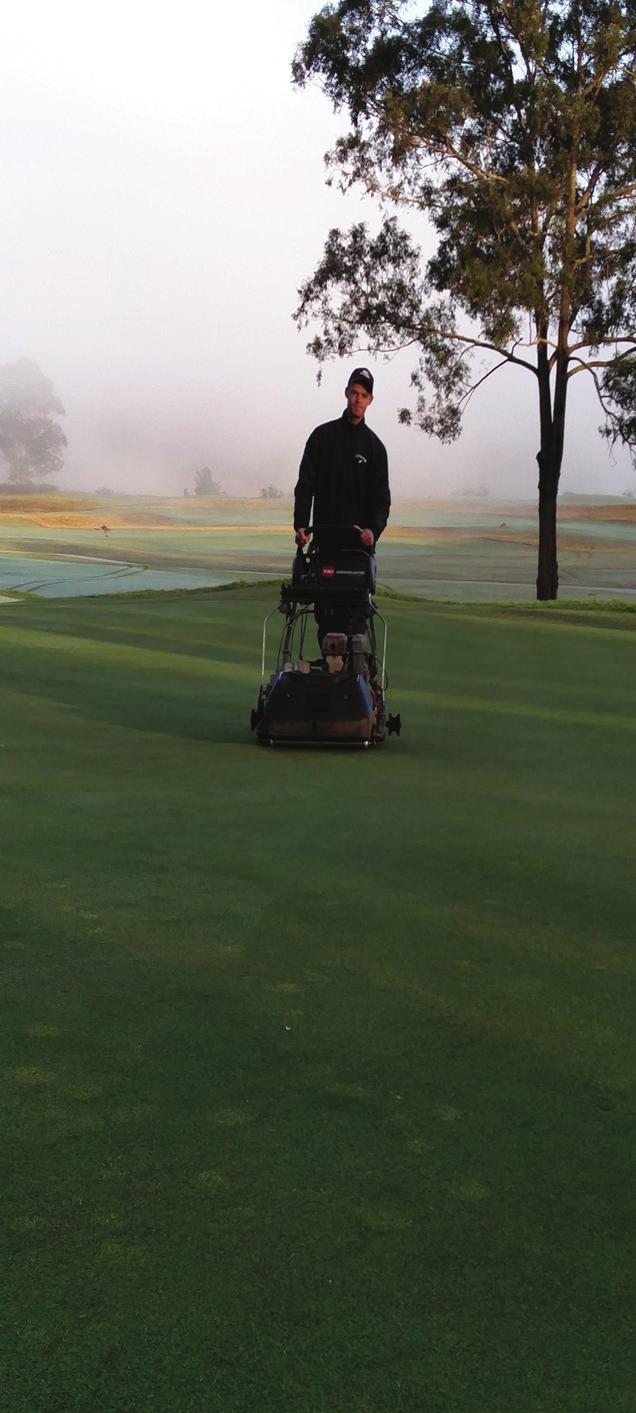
(361, 460)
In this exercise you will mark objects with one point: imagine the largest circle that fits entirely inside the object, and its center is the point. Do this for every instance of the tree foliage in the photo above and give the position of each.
(31, 442)
(205, 484)
(511, 126)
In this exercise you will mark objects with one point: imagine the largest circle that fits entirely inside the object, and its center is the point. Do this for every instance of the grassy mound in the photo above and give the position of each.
(318, 1067)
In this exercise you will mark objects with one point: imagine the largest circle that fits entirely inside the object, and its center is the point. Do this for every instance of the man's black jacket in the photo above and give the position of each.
(344, 471)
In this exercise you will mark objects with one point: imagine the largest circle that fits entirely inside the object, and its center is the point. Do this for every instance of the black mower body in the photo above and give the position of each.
(338, 698)
(318, 705)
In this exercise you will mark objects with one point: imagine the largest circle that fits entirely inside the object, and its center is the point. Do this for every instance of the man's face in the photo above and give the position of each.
(358, 400)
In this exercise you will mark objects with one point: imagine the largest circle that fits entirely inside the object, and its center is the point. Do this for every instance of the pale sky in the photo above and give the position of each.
(164, 198)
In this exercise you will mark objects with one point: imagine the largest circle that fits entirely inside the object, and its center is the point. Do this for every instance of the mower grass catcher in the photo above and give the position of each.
(336, 698)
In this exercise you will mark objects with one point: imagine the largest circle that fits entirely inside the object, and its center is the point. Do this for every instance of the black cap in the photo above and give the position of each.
(362, 375)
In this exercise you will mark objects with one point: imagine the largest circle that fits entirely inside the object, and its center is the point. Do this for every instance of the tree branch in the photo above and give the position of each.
(600, 362)
(471, 342)
(611, 416)
(473, 389)
(610, 339)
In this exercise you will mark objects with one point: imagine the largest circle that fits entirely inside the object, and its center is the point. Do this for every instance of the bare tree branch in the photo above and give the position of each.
(473, 389)
(600, 362)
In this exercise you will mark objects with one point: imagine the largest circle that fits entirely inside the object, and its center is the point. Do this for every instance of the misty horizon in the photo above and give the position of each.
(163, 208)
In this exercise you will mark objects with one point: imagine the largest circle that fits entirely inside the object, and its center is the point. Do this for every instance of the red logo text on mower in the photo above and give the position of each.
(328, 571)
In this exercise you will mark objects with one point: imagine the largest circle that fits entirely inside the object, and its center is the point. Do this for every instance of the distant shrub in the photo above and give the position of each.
(271, 493)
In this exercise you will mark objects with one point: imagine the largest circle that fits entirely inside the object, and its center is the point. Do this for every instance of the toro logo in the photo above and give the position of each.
(328, 571)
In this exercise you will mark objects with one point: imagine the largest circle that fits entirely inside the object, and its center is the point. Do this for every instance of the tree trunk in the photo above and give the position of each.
(548, 567)
(549, 458)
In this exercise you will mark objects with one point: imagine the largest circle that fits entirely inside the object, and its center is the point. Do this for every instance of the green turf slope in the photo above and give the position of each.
(318, 1068)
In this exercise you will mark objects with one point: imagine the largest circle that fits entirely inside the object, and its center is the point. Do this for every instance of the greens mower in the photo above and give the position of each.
(336, 699)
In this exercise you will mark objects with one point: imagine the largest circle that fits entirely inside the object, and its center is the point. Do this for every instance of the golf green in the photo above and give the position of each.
(318, 1071)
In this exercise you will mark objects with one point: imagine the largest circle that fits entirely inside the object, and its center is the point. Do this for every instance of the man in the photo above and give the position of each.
(344, 471)
(344, 474)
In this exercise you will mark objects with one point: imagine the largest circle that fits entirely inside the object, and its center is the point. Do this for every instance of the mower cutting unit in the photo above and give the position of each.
(338, 697)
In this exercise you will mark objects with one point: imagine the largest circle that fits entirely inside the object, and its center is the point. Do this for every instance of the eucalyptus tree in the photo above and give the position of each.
(510, 125)
(31, 442)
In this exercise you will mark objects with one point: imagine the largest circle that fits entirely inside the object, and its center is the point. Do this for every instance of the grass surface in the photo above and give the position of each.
(318, 1068)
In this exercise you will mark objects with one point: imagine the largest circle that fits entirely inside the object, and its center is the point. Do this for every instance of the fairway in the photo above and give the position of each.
(318, 1067)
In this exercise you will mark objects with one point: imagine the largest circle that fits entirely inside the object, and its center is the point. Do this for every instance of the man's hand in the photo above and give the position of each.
(366, 537)
(302, 538)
